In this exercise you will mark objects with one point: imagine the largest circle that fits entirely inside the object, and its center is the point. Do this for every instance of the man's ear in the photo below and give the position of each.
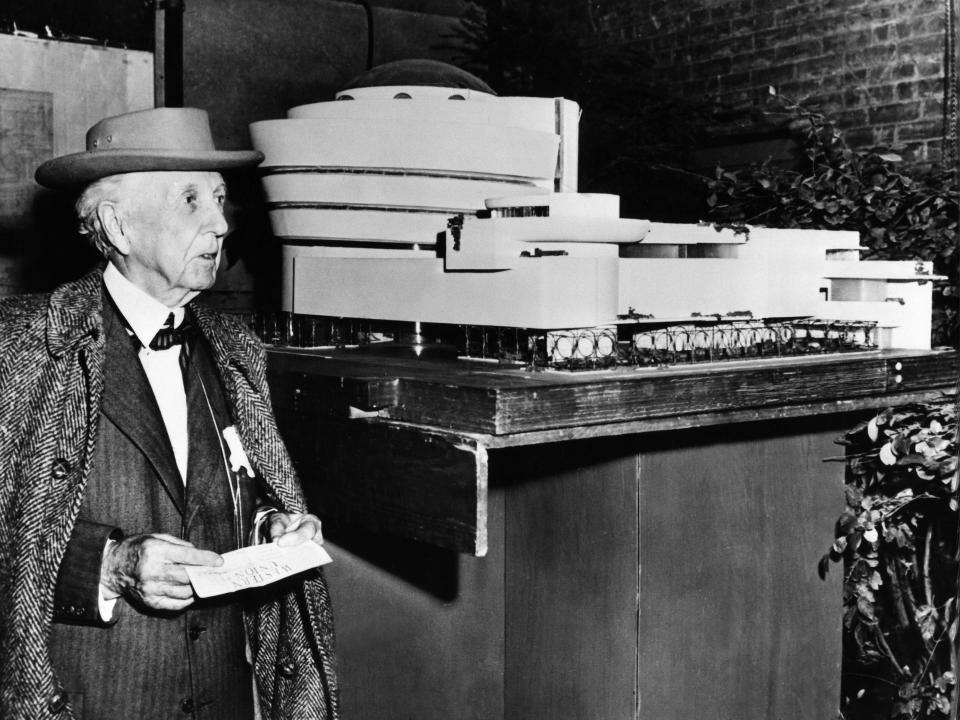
(113, 227)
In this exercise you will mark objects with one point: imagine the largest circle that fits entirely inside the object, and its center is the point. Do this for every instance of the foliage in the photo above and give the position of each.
(835, 187)
(897, 541)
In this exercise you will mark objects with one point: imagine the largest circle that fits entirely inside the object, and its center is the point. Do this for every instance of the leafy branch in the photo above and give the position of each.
(897, 541)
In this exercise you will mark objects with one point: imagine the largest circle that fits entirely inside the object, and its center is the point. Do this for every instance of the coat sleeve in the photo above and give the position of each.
(77, 594)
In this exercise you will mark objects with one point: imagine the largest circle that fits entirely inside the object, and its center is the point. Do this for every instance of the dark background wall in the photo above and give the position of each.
(876, 67)
(243, 60)
(879, 68)
(249, 60)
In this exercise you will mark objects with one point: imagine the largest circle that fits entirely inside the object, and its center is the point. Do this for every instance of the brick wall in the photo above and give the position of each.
(876, 67)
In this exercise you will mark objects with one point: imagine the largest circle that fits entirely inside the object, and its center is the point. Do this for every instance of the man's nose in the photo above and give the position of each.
(217, 221)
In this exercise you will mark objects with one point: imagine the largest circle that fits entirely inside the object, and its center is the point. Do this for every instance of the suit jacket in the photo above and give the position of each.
(152, 665)
(52, 360)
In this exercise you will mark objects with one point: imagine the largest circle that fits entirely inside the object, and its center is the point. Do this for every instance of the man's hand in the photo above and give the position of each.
(295, 528)
(149, 570)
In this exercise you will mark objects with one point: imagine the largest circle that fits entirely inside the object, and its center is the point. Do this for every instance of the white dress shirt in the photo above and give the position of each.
(146, 315)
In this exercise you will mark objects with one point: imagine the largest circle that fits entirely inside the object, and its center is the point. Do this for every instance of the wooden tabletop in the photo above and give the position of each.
(510, 405)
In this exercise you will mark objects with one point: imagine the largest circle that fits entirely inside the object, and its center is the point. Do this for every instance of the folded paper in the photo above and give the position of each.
(255, 566)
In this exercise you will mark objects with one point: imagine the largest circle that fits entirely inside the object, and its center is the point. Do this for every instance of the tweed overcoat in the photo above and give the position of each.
(51, 381)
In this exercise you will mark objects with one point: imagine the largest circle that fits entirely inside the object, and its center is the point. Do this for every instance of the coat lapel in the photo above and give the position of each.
(240, 360)
(129, 402)
(73, 314)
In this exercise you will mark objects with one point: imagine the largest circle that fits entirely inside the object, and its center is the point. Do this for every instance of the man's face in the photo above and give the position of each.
(175, 226)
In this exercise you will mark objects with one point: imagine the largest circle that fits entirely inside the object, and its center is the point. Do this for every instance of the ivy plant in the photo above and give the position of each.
(896, 542)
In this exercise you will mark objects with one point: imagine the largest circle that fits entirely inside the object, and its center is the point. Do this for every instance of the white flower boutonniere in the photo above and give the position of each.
(238, 458)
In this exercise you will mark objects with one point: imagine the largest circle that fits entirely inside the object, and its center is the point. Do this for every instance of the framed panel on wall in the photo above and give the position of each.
(51, 92)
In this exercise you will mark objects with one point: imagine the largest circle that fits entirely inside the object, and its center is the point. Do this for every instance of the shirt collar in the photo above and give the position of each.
(144, 313)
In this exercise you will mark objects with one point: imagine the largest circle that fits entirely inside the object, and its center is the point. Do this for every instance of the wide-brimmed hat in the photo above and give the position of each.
(143, 141)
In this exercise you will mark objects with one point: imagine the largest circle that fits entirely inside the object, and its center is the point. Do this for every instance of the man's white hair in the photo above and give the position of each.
(107, 188)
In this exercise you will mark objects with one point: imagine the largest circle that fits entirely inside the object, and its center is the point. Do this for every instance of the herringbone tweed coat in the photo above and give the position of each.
(51, 380)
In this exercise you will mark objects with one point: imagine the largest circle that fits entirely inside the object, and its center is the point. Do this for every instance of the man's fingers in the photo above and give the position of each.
(168, 574)
(169, 605)
(151, 568)
(159, 589)
(158, 549)
(304, 528)
(166, 602)
(278, 524)
(171, 539)
(193, 556)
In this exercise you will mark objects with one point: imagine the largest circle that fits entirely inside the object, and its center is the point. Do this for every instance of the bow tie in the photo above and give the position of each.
(168, 336)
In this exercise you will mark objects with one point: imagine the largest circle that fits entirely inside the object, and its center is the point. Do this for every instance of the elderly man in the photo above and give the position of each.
(136, 440)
